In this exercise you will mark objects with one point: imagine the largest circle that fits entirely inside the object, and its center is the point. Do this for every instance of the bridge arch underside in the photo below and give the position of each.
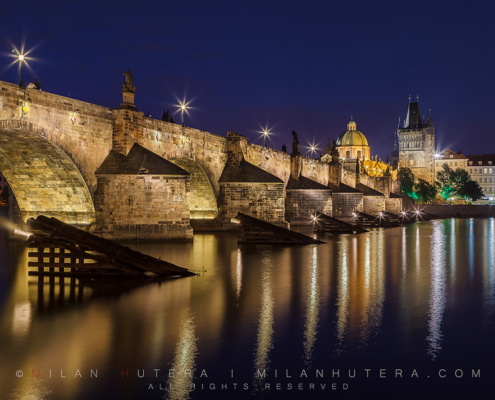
(202, 200)
(43, 179)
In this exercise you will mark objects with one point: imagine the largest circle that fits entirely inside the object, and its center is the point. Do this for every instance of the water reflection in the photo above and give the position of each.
(265, 323)
(343, 295)
(471, 249)
(452, 249)
(312, 308)
(365, 294)
(179, 385)
(418, 252)
(490, 266)
(437, 291)
(239, 274)
(374, 288)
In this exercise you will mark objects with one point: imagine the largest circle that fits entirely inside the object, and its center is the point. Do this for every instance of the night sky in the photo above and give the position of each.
(244, 65)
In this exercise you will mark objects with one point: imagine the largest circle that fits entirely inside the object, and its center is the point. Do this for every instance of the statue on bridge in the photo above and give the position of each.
(128, 92)
(295, 144)
(334, 152)
(127, 86)
(294, 137)
(167, 117)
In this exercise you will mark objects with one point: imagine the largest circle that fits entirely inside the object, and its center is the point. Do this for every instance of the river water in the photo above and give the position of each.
(393, 313)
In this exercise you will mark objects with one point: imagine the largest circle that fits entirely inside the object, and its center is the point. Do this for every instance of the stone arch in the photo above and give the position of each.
(55, 139)
(187, 153)
(202, 200)
(42, 177)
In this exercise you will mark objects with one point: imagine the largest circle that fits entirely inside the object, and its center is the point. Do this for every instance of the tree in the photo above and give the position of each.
(425, 191)
(471, 191)
(406, 177)
(457, 183)
(445, 182)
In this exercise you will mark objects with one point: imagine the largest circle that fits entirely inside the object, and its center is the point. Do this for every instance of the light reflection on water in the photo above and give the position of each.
(354, 297)
(312, 308)
(179, 384)
(265, 323)
(437, 293)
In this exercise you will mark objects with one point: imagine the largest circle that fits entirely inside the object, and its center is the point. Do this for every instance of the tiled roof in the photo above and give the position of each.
(446, 155)
(139, 161)
(485, 159)
(305, 183)
(367, 191)
(247, 172)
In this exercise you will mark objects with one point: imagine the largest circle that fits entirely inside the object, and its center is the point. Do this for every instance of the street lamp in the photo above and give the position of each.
(312, 149)
(183, 108)
(265, 134)
(21, 58)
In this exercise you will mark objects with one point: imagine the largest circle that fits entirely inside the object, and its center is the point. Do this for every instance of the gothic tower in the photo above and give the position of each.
(417, 143)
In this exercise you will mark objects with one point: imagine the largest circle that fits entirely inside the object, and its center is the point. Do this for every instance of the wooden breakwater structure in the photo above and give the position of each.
(256, 231)
(325, 223)
(63, 250)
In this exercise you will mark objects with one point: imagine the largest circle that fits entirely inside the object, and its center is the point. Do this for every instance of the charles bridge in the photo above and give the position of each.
(125, 175)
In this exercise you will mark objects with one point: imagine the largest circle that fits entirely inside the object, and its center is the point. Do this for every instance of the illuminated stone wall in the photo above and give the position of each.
(260, 200)
(373, 204)
(300, 204)
(43, 179)
(344, 204)
(143, 206)
(86, 142)
(393, 205)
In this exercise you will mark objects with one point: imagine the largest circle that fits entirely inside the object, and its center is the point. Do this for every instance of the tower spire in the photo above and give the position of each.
(430, 121)
(395, 142)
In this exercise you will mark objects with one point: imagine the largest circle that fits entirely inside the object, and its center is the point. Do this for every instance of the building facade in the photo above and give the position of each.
(452, 159)
(481, 167)
(417, 143)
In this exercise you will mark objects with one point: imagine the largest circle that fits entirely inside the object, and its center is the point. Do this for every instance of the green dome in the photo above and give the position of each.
(352, 138)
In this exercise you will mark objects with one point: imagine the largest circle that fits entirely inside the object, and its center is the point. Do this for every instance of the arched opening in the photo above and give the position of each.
(202, 200)
(42, 178)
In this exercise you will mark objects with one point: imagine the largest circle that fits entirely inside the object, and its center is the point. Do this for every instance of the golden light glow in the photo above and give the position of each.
(312, 309)
(21, 57)
(266, 320)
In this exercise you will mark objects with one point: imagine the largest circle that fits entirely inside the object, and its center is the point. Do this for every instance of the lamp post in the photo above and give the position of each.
(265, 134)
(21, 59)
(183, 107)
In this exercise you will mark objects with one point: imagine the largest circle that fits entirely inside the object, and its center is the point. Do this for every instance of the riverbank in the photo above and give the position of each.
(458, 211)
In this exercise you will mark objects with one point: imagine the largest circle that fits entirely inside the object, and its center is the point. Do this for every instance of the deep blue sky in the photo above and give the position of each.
(304, 65)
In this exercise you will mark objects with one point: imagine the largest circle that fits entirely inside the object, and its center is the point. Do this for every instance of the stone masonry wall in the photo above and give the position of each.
(383, 184)
(87, 141)
(373, 204)
(344, 204)
(143, 206)
(169, 140)
(274, 161)
(349, 178)
(301, 203)
(393, 205)
(260, 200)
(316, 170)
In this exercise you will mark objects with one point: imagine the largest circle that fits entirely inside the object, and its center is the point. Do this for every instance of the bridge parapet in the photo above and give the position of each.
(86, 138)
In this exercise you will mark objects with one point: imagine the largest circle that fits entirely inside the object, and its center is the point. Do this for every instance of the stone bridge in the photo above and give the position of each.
(56, 154)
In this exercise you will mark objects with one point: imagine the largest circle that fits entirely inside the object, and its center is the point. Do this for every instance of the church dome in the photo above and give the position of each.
(352, 137)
